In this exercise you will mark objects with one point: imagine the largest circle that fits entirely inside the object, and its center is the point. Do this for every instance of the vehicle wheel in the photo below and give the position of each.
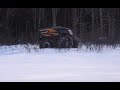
(46, 43)
(75, 42)
(65, 42)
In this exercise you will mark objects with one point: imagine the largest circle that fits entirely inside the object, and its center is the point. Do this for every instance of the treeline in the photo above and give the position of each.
(91, 25)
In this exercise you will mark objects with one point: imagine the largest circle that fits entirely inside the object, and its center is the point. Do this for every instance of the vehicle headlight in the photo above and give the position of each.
(70, 31)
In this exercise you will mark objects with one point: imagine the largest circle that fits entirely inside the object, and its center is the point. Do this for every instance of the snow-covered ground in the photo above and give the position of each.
(50, 65)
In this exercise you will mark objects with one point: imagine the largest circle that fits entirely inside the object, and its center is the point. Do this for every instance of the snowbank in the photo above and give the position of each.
(28, 63)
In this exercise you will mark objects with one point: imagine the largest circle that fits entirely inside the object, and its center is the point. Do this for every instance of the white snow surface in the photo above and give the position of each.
(50, 65)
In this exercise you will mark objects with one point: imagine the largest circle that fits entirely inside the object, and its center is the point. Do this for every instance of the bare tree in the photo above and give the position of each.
(41, 16)
(34, 18)
(54, 14)
(75, 19)
(111, 18)
(101, 21)
(93, 20)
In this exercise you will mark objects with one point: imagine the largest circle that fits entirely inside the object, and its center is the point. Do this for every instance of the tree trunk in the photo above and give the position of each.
(54, 14)
(101, 21)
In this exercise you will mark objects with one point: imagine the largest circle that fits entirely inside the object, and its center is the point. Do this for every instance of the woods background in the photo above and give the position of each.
(93, 25)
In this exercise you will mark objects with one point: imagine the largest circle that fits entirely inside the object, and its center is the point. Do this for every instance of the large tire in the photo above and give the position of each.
(46, 43)
(75, 42)
(65, 42)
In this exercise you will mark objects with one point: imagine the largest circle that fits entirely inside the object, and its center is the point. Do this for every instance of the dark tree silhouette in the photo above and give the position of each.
(91, 25)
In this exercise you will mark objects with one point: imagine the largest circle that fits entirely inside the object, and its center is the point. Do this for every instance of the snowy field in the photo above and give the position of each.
(50, 65)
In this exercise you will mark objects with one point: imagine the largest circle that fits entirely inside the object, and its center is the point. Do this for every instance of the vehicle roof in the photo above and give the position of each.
(59, 27)
(56, 28)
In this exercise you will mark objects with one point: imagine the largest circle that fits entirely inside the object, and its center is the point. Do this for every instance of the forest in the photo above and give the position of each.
(90, 25)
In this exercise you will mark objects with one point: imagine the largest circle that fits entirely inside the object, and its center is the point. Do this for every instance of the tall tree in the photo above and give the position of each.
(54, 13)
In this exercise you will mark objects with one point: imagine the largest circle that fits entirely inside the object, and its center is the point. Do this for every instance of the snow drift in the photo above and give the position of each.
(26, 63)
